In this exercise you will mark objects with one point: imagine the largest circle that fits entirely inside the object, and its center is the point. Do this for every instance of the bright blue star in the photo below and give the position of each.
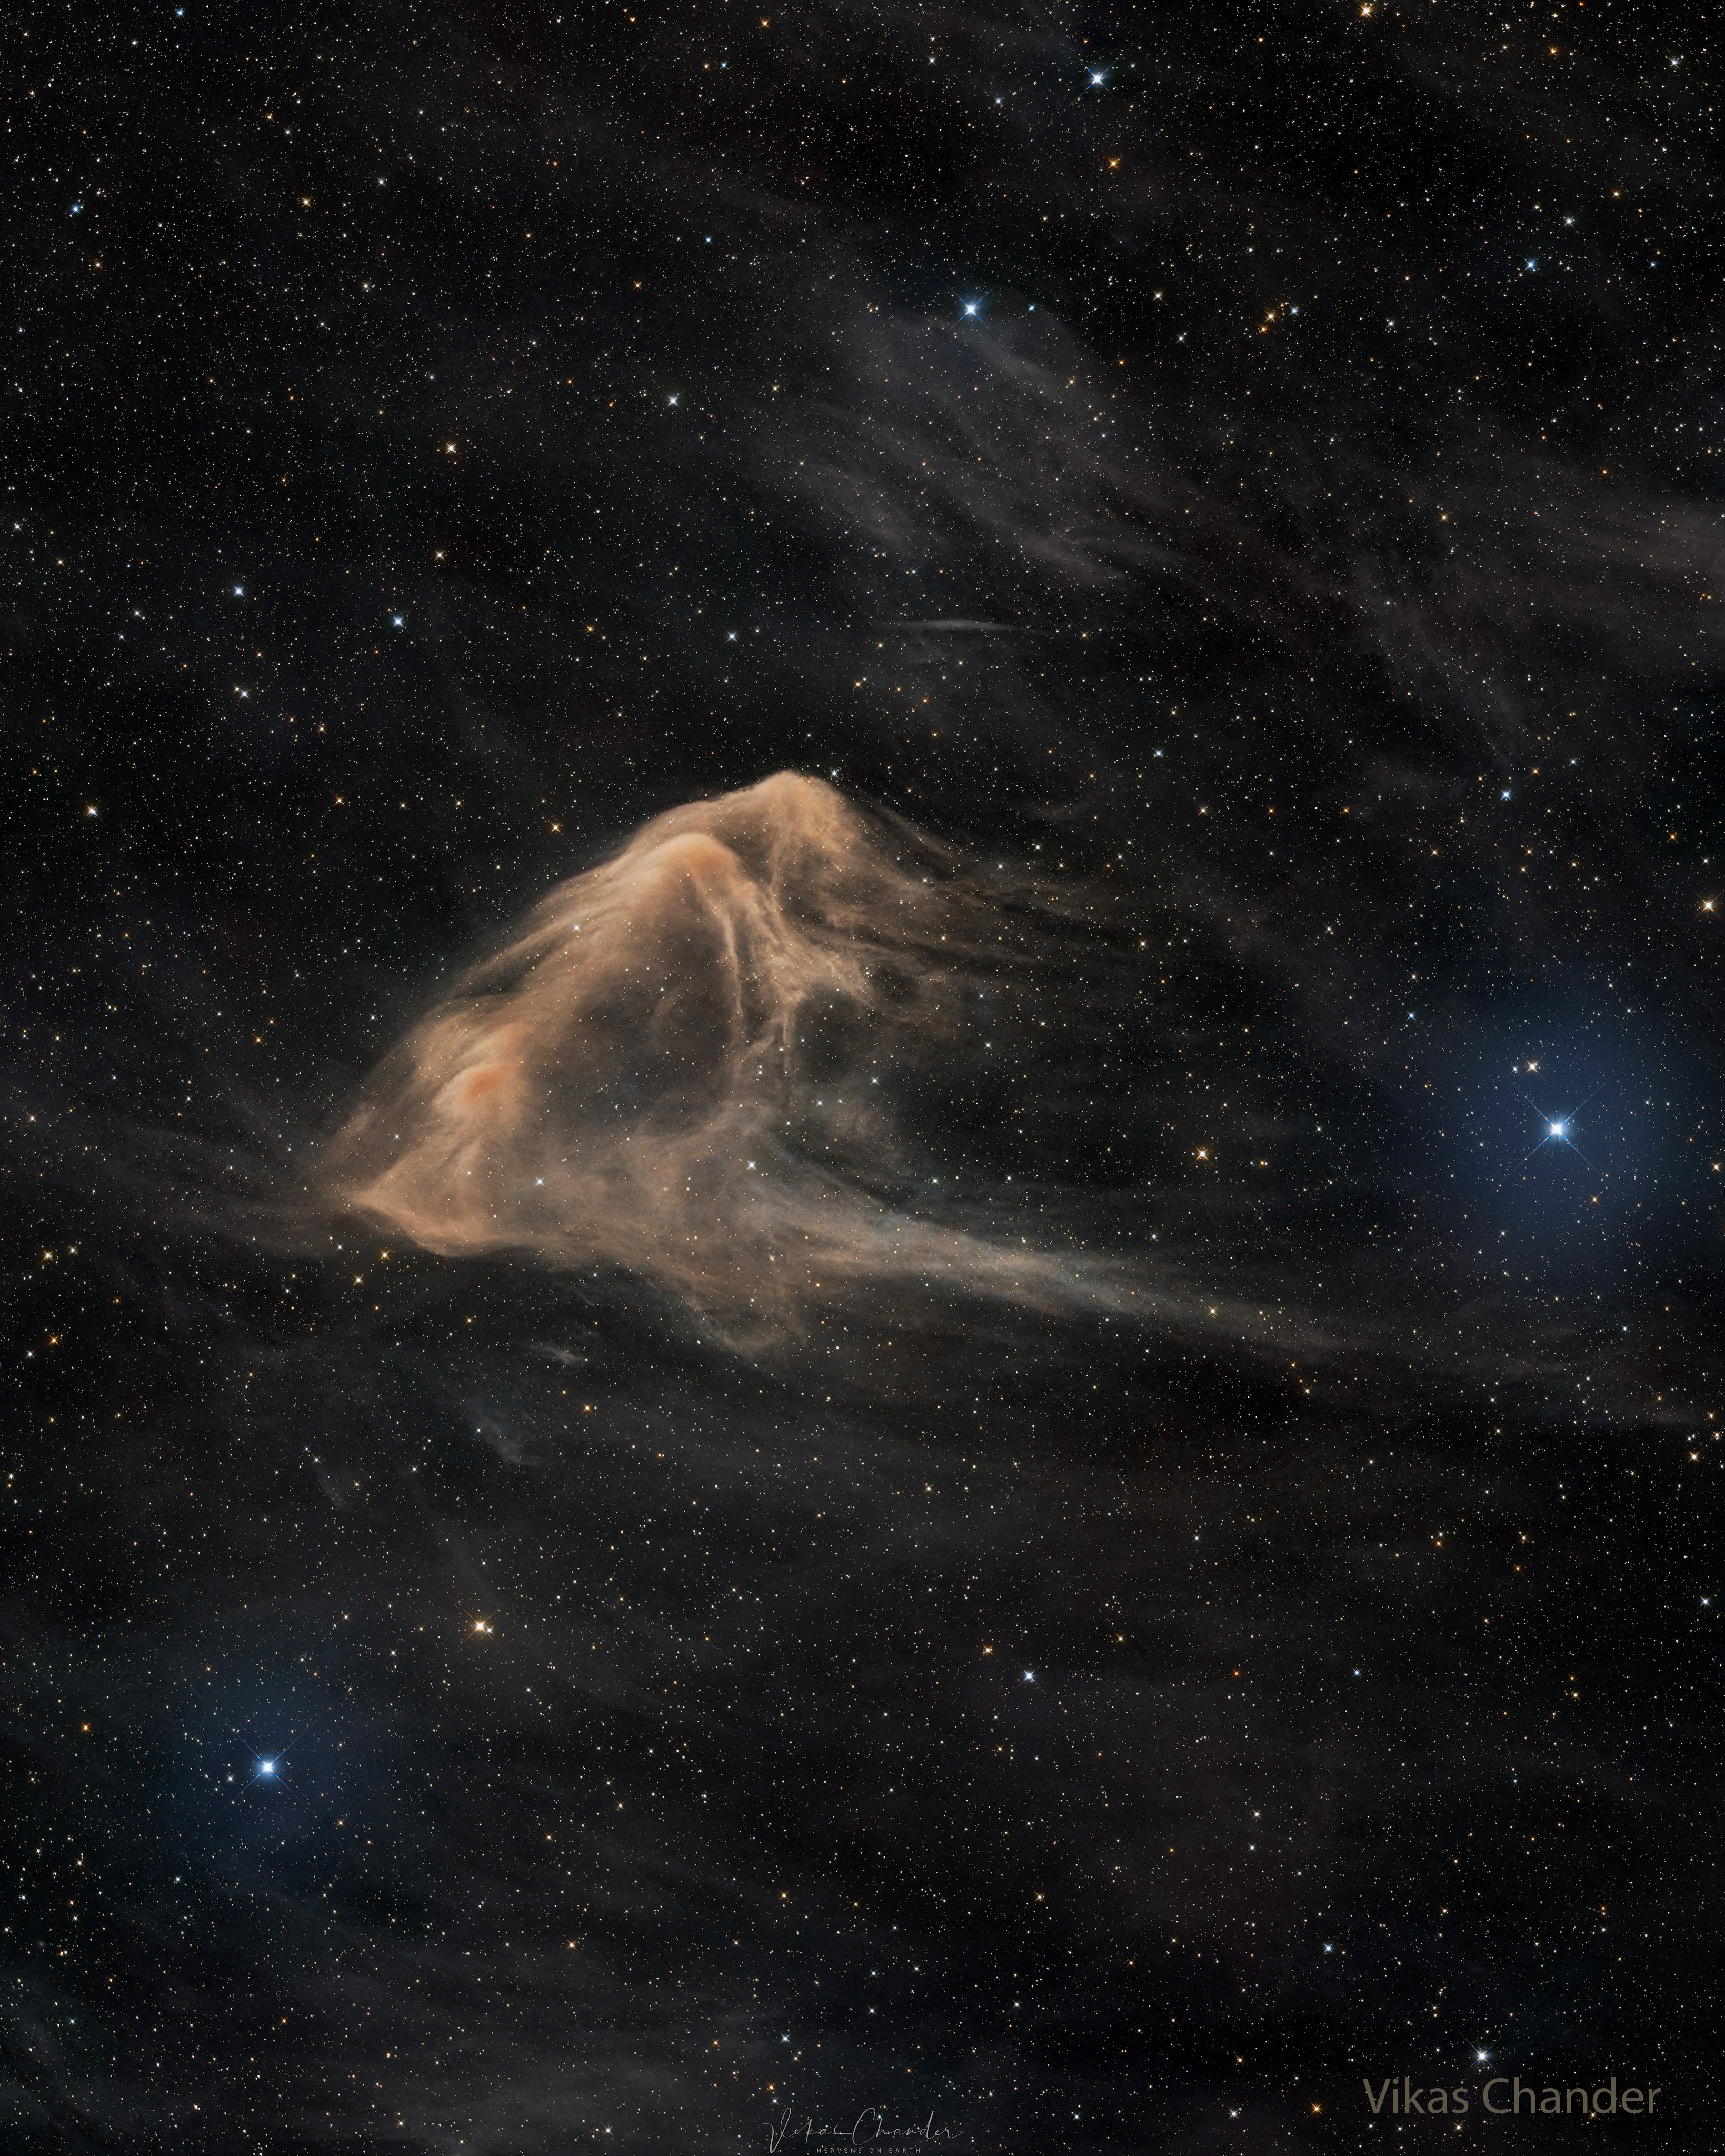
(266, 1769)
(971, 307)
(1097, 78)
(1556, 1130)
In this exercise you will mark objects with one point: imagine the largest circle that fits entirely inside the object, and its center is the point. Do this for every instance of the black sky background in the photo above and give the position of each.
(439, 440)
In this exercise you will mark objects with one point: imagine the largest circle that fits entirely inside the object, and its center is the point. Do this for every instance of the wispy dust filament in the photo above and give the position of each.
(685, 1064)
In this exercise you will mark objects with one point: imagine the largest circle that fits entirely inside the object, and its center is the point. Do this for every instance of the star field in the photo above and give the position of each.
(862, 1166)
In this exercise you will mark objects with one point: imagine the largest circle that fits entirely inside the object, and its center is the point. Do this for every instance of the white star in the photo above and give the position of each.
(971, 307)
(1097, 79)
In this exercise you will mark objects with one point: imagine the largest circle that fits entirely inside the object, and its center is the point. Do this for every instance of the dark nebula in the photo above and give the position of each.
(810, 818)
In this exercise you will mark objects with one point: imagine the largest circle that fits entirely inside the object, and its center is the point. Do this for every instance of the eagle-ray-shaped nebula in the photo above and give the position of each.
(686, 1064)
